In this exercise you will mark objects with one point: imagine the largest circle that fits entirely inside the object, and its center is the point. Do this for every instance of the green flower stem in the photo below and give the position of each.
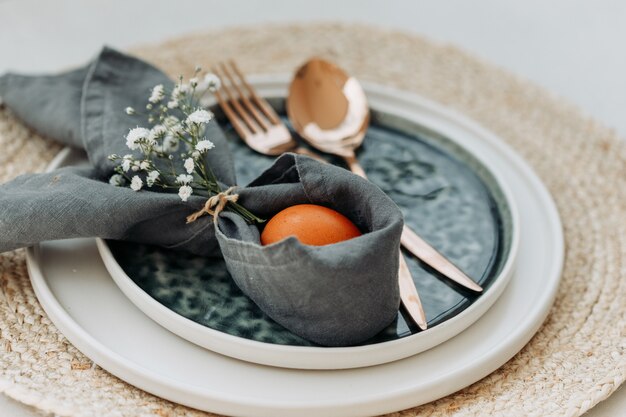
(245, 213)
(209, 173)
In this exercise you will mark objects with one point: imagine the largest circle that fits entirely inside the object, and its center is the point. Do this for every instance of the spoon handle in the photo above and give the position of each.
(355, 166)
(409, 296)
(408, 293)
(300, 150)
(420, 248)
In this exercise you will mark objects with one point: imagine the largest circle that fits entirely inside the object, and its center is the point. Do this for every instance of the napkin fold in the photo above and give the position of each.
(334, 295)
(84, 108)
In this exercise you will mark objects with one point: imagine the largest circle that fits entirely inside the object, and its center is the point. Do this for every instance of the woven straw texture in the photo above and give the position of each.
(578, 356)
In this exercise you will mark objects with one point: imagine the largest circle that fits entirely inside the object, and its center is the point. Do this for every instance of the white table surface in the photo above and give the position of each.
(574, 48)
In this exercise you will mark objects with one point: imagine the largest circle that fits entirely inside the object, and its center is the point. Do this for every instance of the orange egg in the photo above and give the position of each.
(310, 224)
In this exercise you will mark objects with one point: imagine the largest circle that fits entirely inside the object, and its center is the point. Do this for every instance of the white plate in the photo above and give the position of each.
(80, 297)
(385, 100)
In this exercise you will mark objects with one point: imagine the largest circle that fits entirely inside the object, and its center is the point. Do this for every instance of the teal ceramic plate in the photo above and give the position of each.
(447, 195)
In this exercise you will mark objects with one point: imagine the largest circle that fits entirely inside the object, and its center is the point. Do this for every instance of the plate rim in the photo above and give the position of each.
(409, 396)
(313, 357)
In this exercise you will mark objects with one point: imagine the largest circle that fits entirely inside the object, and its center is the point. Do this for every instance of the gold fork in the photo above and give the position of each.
(252, 117)
(258, 125)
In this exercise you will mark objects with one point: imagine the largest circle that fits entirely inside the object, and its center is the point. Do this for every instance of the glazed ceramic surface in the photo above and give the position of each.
(460, 211)
(82, 300)
(446, 194)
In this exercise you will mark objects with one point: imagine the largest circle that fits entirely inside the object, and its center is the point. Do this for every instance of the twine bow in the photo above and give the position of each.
(214, 205)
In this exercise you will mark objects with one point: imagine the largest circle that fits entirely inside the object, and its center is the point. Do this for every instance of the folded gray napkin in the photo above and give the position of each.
(85, 108)
(334, 295)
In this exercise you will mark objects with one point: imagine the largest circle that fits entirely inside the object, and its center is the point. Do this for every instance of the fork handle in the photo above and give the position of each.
(409, 296)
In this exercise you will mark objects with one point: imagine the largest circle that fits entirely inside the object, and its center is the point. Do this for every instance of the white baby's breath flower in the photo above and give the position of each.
(180, 91)
(144, 165)
(170, 144)
(126, 162)
(210, 82)
(170, 121)
(177, 129)
(193, 82)
(185, 192)
(172, 104)
(136, 136)
(189, 165)
(152, 177)
(136, 183)
(116, 180)
(184, 179)
(204, 145)
(158, 92)
(157, 132)
(130, 111)
(199, 117)
(195, 155)
(136, 166)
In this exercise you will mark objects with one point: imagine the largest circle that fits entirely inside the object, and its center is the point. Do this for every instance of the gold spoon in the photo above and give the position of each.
(327, 107)
(329, 110)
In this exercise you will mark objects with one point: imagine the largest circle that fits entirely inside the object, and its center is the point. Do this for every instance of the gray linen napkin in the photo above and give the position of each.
(334, 295)
(85, 108)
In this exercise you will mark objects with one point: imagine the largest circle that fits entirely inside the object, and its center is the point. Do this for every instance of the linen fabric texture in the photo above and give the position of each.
(334, 295)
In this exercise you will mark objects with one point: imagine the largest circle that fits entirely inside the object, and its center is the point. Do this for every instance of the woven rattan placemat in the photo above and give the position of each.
(578, 356)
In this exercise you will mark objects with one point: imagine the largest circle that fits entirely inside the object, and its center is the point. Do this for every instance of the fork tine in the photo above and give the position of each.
(275, 138)
(238, 124)
(234, 103)
(244, 99)
(262, 103)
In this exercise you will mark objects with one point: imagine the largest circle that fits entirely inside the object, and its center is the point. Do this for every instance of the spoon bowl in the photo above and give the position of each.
(328, 108)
